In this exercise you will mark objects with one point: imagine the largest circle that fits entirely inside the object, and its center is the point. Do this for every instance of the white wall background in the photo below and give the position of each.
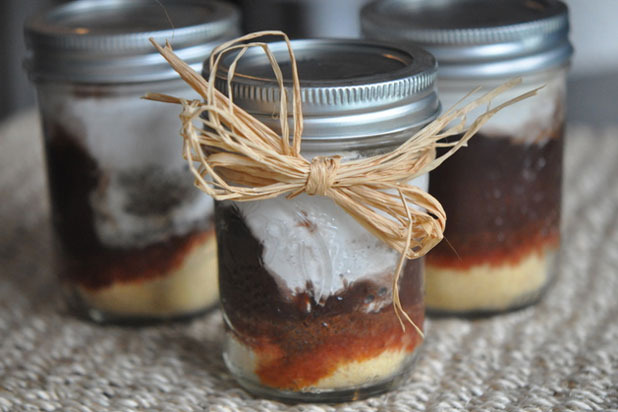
(594, 33)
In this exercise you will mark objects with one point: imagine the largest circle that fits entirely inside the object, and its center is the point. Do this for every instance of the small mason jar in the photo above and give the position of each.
(502, 194)
(135, 240)
(306, 290)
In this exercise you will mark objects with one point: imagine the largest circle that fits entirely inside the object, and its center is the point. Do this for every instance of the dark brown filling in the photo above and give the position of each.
(297, 340)
(73, 177)
(502, 201)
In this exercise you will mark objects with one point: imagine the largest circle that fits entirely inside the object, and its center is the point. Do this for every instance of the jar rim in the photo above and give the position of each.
(107, 41)
(477, 38)
(350, 89)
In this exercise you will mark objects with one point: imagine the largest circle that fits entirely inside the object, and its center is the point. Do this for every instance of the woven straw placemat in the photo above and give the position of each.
(559, 355)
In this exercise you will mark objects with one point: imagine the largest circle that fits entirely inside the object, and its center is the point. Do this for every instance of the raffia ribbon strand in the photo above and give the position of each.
(239, 158)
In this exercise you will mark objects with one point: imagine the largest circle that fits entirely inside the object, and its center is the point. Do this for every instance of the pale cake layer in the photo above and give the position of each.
(191, 287)
(486, 287)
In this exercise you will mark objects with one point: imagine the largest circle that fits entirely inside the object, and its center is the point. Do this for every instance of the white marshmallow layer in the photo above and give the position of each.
(126, 134)
(523, 120)
(311, 240)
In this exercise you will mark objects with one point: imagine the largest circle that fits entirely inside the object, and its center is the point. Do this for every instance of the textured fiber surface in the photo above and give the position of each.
(559, 355)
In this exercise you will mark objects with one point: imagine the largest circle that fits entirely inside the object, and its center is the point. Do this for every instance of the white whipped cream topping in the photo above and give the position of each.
(311, 240)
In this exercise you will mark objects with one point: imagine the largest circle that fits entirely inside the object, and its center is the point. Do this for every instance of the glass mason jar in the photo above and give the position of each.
(306, 290)
(502, 195)
(135, 240)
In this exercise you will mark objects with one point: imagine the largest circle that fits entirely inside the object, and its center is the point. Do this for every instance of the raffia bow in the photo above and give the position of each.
(241, 159)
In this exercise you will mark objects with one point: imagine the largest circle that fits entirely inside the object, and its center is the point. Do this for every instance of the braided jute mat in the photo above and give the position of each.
(560, 355)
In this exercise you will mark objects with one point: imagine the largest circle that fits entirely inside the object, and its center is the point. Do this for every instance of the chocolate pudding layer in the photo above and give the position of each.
(292, 341)
(502, 198)
(159, 274)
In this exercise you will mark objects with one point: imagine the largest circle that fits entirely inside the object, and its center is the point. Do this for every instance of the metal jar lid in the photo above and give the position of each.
(350, 89)
(106, 41)
(477, 38)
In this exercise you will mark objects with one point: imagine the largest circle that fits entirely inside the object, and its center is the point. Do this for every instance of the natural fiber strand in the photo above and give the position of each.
(239, 158)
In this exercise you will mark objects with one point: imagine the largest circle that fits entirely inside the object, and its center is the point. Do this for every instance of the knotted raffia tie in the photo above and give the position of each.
(241, 159)
(322, 174)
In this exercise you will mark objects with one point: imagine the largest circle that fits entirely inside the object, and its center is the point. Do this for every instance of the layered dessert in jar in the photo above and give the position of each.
(502, 194)
(307, 295)
(306, 290)
(135, 239)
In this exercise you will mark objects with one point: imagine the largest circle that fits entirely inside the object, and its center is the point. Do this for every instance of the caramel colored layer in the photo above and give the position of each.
(355, 373)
